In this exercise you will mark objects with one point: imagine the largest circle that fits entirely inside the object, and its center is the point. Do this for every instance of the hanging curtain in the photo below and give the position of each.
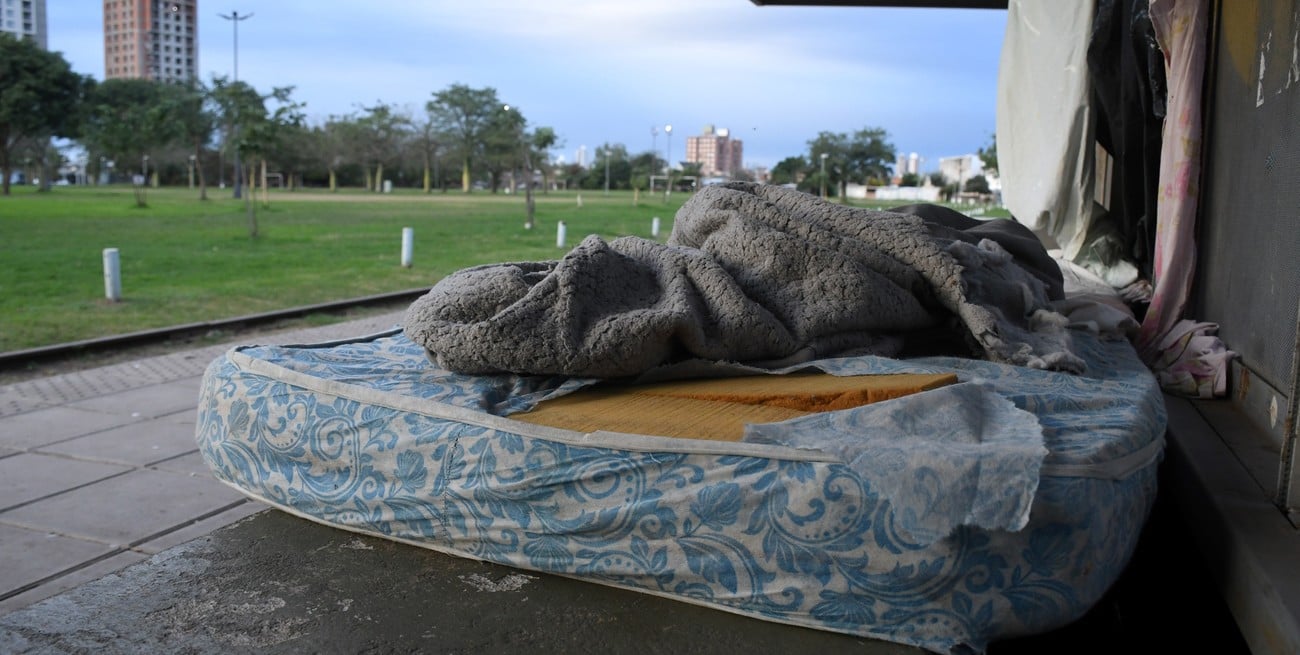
(1044, 131)
(1185, 355)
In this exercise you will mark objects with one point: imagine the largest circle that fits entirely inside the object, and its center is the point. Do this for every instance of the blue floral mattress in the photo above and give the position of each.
(1002, 506)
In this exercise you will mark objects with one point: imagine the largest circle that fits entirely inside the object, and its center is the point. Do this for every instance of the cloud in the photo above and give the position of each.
(602, 71)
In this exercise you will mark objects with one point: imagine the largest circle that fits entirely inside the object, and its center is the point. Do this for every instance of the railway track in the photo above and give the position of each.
(18, 359)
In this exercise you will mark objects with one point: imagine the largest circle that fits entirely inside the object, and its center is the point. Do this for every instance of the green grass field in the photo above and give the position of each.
(183, 260)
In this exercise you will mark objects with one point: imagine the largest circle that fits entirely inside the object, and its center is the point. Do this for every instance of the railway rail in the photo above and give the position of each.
(17, 359)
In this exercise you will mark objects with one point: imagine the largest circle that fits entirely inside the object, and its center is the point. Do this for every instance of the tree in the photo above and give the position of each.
(573, 175)
(254, 130)
(292, 152)
(829, 170)
(233, 100)
(692, 169)
(543, 139)
(643, 166)
(466, 115)
(910, 179)
(989, 154)
(429, 140)
(790, 170)
(863, 158)
(507, 139)
(328, 145)
(192, 108)
(870, 156)
(263, 135)
(39, 98)
(127, 119)
(612, 157)
(382, 130)
(977, 184)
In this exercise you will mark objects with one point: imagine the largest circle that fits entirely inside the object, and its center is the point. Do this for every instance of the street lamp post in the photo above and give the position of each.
(823, 158)
(961, 171)
(668, 163)
(235, 18)
(529, 223)
(606, 170)
(192, 158)
(144, 167)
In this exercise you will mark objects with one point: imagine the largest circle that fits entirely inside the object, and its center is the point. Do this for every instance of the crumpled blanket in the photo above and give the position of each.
(751, 273)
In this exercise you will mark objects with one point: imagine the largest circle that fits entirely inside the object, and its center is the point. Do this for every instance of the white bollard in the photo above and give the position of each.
(654, 227)
(560, 232)
(408, 246)
(112, 275)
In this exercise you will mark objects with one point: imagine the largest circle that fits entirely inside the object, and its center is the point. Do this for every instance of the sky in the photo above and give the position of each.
(604, 71)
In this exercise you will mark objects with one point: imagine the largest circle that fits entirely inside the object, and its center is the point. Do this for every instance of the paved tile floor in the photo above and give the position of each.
(99, 468)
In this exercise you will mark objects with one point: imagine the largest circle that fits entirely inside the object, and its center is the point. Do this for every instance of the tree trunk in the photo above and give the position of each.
(248, 202)
(266, 199)
(198, 169)
(45, 168)
(464, 176)
(333, 181)
(379, 177)
(369, 186)
(6, 170)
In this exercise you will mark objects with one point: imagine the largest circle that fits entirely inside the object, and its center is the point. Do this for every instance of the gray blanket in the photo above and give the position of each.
(751, 273)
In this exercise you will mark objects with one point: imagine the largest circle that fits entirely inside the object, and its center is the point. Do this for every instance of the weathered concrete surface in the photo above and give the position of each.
(274, 583)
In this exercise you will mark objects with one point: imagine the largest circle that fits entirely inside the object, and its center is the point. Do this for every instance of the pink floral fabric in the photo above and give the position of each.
(1180, 27)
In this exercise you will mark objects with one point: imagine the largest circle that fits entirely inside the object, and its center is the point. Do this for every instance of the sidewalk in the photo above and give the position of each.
(99, 468)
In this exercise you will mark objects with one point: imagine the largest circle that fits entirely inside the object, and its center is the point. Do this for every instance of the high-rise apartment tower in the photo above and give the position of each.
(151, 39)
(715, 151)
(25, 19)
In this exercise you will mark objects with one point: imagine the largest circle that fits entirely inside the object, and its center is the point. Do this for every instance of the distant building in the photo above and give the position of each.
(151, 40)
(907, 165)
(25, 19)
(960, 168)
(582, 156)
(716, 152)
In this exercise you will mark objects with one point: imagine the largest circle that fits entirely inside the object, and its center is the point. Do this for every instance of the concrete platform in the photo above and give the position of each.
(115, 538)
(278, 584)
(99, 468)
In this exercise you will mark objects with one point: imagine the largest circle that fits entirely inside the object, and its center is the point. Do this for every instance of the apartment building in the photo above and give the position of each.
(25, 19)
(716, 152)
(151, 39)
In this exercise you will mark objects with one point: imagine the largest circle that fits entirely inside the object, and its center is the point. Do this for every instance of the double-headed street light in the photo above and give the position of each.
(235, 18)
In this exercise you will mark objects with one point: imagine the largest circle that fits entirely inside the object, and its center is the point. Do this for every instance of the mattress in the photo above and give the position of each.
(1003, 505)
